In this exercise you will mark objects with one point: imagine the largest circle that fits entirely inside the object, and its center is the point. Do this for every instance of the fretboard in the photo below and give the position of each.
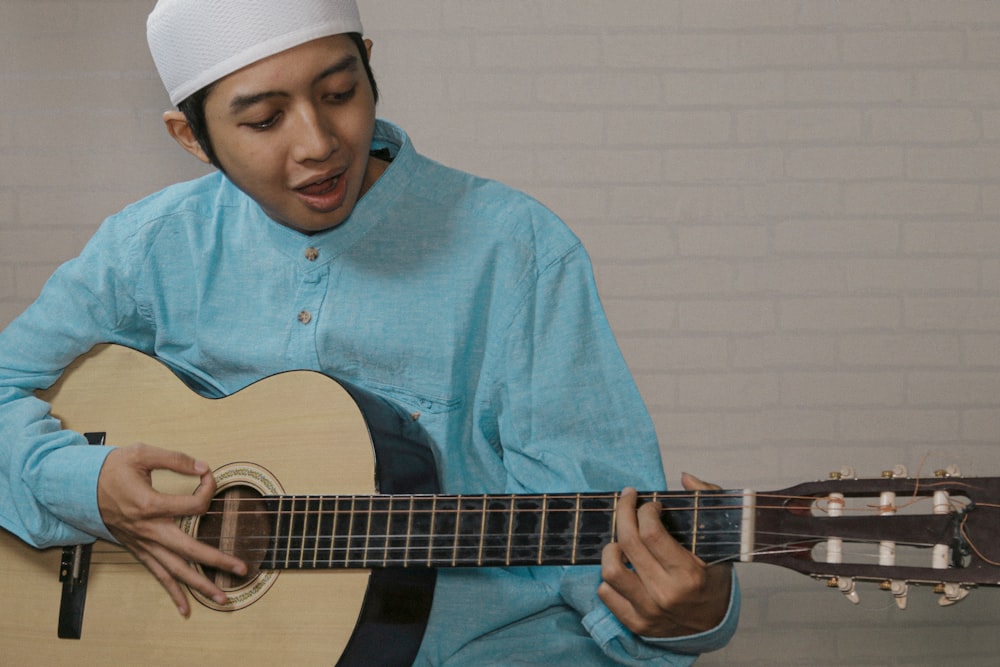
(317, 532)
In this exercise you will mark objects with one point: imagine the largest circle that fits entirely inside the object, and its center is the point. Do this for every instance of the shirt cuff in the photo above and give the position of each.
(618, 642)
(710, 640)
(68, 487)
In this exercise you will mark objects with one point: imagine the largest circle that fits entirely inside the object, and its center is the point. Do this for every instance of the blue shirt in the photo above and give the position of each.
(456, 297)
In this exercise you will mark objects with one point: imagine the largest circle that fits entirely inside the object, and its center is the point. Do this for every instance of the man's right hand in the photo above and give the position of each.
(143, 519)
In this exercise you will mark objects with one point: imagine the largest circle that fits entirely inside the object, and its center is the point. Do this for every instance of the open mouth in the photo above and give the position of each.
(320, 187)
(324, 195)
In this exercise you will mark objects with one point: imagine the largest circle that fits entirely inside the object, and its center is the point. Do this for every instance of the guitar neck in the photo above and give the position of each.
(318, 532)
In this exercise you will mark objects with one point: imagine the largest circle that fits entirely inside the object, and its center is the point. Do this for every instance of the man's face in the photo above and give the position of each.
(293, 131)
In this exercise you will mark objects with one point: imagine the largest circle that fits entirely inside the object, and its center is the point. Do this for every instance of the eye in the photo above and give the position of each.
(340, 98)
(265, 124)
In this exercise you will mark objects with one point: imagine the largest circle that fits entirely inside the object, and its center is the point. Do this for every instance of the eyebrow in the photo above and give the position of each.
(242, 102)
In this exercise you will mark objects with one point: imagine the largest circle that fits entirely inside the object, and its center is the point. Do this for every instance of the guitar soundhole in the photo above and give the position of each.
(237, 523)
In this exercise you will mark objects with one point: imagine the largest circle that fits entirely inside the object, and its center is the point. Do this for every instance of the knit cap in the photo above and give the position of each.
(197, 42)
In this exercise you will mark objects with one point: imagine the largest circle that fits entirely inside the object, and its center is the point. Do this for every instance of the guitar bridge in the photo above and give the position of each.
(74, 569)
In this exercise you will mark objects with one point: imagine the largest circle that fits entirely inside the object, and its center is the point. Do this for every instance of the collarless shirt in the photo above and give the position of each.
(464, 302)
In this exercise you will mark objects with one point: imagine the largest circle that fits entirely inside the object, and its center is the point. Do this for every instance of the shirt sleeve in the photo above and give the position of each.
(49, 494)
(572, 419)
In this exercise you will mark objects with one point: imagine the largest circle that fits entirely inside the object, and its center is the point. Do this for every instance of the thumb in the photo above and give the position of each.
(692, 483)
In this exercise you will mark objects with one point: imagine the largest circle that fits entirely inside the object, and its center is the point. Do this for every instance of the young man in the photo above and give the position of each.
(326, 242)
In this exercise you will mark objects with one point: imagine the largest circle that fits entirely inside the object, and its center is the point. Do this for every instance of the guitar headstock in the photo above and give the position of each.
(941, 531)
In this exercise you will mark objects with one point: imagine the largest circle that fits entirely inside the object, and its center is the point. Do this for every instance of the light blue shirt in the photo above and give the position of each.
(454, 296)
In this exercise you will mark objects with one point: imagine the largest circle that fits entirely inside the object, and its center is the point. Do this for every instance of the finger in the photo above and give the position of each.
(645, 541)
(144, 459)
(615, 585)
(170, 584)
(156, 458)
(692, 483)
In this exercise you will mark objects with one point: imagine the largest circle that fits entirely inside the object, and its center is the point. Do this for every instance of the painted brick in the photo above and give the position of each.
(902, 276)
(859, 13)
(843, 389)
(899, 350)
(722, 241)
(785, 351)
(839, 313)
(844, 163)
(721, 391)
(668, 128)
(725, 316)
(906, 426)
(836, 237)
(723, 14)
(799, 126)
(923, 125)
(904, 48)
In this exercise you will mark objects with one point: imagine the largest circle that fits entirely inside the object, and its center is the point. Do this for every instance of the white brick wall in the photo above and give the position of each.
(793, 207)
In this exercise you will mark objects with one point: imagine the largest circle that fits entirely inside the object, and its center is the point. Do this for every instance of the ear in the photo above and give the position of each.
(368, 49)
(179, 129)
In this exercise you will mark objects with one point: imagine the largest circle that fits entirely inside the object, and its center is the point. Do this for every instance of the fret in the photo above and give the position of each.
(511, 514)
(372, 522)
(541, 531)
(560, 530)
(694, 523)
(317, 535)
(334, 515)
(576, 528)
(388, 534)
(471, 527)
(293, 524)
(614, 520)
(458, 531)
(368, 532)
(430, 533)
(350, 533)
(525, 525)
(277, 533)
(398, 526)
(409, 532)
(482, 532)
(303, 533)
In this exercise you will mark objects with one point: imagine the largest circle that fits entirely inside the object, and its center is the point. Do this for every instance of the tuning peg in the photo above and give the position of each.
(897, 472)
(950, 471)
(950, 593)
(899, 589)
(847, 472)
(846, 586)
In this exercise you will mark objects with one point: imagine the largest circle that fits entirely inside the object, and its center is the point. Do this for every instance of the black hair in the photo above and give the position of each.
(193, 107)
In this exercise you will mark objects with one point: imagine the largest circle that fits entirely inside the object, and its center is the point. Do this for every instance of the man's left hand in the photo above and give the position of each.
(652, 584)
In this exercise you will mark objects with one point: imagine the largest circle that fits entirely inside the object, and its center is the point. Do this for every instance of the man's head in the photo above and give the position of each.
(279, 96)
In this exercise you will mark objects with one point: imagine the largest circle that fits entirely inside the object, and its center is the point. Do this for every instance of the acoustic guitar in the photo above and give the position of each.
(349, 578)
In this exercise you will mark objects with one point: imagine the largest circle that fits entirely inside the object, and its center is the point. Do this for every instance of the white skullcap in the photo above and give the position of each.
(197, 42)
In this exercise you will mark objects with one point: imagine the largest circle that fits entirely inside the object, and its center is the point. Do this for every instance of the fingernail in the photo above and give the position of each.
(201, 467)
(221, 598)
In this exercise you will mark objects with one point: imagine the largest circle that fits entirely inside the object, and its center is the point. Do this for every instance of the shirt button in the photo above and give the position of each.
(312, 254)
(305, 317)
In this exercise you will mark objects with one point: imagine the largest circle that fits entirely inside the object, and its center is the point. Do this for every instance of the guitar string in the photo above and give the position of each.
(361, 561)
(384, 541)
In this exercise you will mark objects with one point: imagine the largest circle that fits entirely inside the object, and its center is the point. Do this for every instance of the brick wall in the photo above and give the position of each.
(792, 206)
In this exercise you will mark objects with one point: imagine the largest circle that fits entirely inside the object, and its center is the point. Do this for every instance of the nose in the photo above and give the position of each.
(314, 138)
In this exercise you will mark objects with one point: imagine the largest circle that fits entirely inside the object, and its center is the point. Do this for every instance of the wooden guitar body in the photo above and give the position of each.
(313, 437)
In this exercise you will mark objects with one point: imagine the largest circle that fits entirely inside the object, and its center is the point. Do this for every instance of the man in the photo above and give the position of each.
(326, 242)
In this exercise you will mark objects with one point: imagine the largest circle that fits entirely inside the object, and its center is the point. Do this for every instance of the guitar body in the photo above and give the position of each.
(349, 578)
(301, 428)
